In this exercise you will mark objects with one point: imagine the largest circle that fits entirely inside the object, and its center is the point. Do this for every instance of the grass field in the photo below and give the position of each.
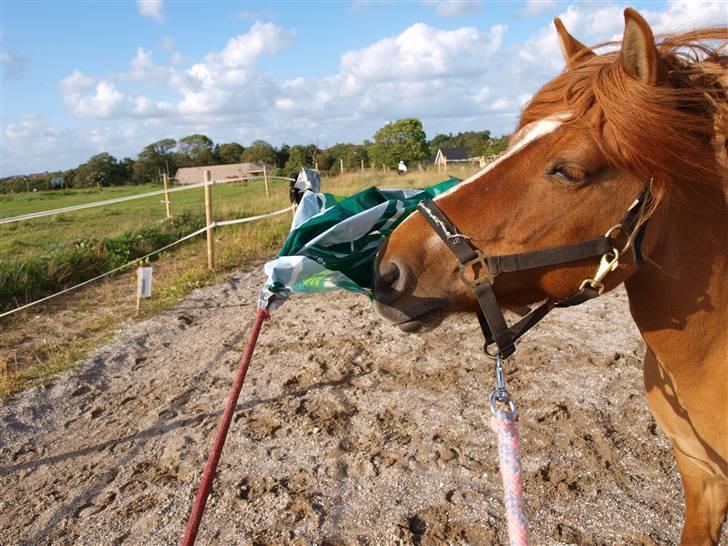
(232, 200)
(40, 342)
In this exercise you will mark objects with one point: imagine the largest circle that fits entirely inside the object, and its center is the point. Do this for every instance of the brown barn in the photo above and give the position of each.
(193, 175)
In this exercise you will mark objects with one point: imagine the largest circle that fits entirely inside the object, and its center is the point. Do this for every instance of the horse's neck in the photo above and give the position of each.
(679, 298)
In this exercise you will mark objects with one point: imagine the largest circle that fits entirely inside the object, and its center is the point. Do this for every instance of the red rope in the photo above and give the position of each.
(198, 509)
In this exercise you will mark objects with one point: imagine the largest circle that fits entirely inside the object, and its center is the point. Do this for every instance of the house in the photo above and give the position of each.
(194, 175)
(455, 155)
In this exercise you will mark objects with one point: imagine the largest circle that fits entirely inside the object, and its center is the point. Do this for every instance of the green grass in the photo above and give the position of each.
(41, 256)
(233, 200)
(32, 237)
(15, 204)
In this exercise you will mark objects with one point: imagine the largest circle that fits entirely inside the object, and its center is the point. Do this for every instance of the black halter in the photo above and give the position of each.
(492, 321)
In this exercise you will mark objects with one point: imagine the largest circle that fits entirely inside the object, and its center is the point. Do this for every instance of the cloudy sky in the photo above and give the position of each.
(79, 78)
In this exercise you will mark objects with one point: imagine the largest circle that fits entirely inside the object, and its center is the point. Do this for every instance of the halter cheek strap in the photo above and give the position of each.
(479, 270)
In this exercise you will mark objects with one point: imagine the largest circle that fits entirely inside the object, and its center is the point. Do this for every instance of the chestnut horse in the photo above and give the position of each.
(647, 117)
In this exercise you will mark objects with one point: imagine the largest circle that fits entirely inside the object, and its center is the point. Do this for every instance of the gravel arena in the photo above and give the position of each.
(347, 432)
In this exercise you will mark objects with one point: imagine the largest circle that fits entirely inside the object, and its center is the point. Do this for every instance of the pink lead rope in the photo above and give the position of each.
(503, 422)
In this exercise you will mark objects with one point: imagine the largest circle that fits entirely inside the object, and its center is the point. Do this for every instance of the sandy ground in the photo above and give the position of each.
(347, 432)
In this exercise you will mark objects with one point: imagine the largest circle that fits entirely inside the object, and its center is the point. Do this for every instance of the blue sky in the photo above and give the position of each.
(79, 78)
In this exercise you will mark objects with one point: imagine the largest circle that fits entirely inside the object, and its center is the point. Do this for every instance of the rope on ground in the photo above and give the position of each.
(503, 423)
(198, 508)
(137, 260)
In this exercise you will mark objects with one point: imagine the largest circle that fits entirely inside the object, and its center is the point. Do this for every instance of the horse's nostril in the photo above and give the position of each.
(389, 273)
(385, 284)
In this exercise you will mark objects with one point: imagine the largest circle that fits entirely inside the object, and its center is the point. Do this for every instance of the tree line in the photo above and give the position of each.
(401, 140)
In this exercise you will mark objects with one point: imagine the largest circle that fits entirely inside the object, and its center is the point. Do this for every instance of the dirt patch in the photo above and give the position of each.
(347, 432)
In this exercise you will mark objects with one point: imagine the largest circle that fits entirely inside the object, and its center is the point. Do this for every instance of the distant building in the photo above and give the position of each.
(193, 175)
(454, 155)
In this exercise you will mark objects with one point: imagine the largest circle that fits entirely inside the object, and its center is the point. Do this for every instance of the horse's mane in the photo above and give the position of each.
(674, 134)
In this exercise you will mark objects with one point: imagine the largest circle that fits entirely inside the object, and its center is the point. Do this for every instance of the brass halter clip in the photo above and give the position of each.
(607, 264)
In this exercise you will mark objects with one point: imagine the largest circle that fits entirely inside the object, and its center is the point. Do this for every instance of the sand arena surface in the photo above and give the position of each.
(347, 432)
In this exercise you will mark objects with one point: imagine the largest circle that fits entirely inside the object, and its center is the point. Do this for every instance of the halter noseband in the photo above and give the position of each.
(480, 280)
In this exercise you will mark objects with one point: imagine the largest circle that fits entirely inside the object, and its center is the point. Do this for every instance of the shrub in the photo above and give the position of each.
(26, 279)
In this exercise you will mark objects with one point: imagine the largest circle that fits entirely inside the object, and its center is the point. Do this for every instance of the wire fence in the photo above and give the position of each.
(212, 225)
(72, 208)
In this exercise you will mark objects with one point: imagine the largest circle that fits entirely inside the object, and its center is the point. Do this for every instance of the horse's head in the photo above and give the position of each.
(571, 170)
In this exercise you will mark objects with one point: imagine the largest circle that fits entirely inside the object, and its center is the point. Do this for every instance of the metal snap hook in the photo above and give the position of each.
(500, 394)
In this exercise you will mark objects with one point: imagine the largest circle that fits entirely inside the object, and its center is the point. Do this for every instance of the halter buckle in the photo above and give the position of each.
(477, 279)
(607, 264)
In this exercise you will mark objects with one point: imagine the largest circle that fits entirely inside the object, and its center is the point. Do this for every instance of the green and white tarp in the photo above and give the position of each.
(333, 242)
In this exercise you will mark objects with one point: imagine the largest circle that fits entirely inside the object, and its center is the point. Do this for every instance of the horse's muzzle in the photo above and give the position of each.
(394, 284)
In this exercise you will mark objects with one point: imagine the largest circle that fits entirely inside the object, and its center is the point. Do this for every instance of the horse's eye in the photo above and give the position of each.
(567, 173)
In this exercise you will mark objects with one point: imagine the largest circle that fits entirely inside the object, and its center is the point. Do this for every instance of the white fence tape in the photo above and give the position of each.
(52, 212)
(137, 260)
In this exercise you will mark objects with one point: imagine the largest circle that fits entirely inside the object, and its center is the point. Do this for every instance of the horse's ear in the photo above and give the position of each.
(570, 46)
(639, 56)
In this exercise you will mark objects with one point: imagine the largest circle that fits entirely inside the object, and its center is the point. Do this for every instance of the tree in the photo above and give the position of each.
(69, 177)
(473, 141)
(401, 140)
(126, 170)
(229, 153)
(155, 158)
(301, 156)
(194, 151)
(259, 152)
(496, 145)
(351, 154)
(100, 170)
(282, 155)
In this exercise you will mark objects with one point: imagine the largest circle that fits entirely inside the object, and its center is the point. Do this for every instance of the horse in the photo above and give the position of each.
(645, 118)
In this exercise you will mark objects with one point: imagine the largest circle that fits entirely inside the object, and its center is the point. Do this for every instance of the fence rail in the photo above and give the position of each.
(52, 212)
(141, 259)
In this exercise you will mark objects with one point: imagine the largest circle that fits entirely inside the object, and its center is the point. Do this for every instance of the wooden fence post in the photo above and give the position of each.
(208, 219)
(167, 204)
(341, 164)
(265, 179)
(362, 165)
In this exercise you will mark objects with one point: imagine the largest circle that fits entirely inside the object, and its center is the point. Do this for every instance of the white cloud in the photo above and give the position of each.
(262, 39)
(143, 68)
(537, 7)
(168, 43)
(453, 79)
(154, 9)
(422, 52)
(14, 64)
(56, 148)
(685, 15)
(454, 8)
(501, 104)
(177, 58)
(76, 83)
(141, 64)
(106, 102)
(541, 55)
